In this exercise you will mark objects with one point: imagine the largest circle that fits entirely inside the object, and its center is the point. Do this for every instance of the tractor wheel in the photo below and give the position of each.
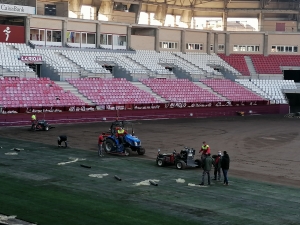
(198, 162)
(141, 151)
(160, 162)
(109, 145)
(128, 151)
(180, 165)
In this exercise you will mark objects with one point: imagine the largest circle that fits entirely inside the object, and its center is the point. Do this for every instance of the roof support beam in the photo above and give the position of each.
(221, 10)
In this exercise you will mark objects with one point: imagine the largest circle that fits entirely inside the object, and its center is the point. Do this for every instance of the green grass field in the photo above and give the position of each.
(36, 189)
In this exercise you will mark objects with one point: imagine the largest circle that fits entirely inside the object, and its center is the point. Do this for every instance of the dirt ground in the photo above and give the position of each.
(263, 148)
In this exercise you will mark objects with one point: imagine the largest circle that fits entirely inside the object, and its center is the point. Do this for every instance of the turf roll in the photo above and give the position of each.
(85, 166)
(153, 183)
(118, 178)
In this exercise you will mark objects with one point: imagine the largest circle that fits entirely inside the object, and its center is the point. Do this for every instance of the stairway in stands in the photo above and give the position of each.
(147, 89)
(251, 67)
(203, 86)
(68, 87)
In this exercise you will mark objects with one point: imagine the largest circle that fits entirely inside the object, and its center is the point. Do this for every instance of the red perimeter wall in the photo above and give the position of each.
(77, 117)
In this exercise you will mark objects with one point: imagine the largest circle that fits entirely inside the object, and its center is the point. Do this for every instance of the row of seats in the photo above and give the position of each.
(271, 64)
(34, 92)
(112, 91)
(180, 90)
(238, 62)
(269, 89)
(262, 64)
(231, 90)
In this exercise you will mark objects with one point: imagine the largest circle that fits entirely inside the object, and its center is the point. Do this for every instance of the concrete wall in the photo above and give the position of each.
(113, 29)
(80, 26)
(142, 42)
(196, 37)
(283, 39)
(123, 17)
(270, 25)
(110, 115)
(45, 23)
(256, 39)
(169, 35)
(61, 8)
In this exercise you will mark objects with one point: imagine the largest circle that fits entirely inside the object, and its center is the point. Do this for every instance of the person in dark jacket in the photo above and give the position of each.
(62, 138)
(225, 161)
(207, 165)
(217, 166)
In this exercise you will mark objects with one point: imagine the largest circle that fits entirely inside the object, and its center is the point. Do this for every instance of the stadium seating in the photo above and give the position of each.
(238, 62)
(150, 60)
(270, 89)
(180, 90)
(112, 91)
(9, 60)
(231, 90)
(271, 64)
(202, 61)
(26, 92)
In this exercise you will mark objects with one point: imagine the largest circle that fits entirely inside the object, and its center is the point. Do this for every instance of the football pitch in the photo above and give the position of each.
(43, 184)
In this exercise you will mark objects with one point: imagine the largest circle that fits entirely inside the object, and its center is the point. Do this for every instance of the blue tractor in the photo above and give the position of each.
(125, 145)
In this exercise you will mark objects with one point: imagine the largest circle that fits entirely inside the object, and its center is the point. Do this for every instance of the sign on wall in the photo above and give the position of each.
(35, 58)
(17, 9)
(12, 34)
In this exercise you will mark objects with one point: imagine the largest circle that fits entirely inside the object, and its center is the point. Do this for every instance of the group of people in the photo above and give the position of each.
(220, 162)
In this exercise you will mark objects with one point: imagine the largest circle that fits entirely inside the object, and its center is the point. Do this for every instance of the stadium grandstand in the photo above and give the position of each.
(183, 58)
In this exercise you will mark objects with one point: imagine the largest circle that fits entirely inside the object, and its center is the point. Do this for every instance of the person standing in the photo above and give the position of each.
(205, 149)
(33, 121)
(100, 144)
(217, 166)
(225, 162)
(207, 164)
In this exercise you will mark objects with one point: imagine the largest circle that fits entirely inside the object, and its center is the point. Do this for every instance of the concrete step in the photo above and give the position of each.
(205, 87)
(250, 66)
(147, 89)
(68, 87)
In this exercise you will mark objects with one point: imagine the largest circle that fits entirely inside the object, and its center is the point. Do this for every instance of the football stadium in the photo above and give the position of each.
(106, 106)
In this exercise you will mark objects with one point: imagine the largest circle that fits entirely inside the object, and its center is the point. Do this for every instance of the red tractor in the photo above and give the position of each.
(180, 160)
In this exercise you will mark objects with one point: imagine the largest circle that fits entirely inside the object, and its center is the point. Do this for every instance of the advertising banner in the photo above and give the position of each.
(17, 9)
(34, 58)
(12, 34)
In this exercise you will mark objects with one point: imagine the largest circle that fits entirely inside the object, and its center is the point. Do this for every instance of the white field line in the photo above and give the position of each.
(145, 182)
(74, 160)
(98, 175)
(179, 180)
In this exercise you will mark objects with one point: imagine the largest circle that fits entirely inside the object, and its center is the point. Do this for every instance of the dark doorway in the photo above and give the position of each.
(36, 68)
(292, 75)
(294, 102)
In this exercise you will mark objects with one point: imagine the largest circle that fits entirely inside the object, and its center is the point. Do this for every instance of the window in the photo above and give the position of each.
(221, 47)
(168, 45)
(211, 47)
(122, 40)
(42, 34)
(194, 46)
(106, 39)
(279, 48)
(245, 48)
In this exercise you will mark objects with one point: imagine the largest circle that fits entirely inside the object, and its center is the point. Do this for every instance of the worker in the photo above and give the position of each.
(205, 149)
(121, 132)
(62, 138)
(33, 121)
(100, 143)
